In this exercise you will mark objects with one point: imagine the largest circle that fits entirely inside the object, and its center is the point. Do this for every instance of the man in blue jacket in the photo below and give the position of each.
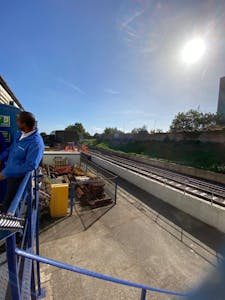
(22, 156)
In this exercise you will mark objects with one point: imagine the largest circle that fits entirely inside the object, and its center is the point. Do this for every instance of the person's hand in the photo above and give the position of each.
(1, 177)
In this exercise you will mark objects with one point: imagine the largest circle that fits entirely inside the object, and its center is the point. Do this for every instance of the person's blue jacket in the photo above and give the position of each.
(2, 143)
(23, 155)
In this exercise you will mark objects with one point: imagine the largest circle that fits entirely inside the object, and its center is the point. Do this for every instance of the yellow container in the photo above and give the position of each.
(59, 200)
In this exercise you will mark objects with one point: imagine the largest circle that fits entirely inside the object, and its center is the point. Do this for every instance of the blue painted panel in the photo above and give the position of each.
(8, 127)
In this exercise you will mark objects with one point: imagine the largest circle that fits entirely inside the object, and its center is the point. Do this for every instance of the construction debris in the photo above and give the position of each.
(92, 192)
(89, 189)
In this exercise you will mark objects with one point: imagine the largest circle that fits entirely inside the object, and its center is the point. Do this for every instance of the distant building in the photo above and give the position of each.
(7, 96)
(62, 137)
(66, 136)
(221, 100)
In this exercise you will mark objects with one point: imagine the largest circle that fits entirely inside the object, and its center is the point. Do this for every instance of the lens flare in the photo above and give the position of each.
(193, 50)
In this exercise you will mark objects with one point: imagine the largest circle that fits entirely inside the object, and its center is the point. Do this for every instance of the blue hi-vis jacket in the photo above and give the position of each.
(23, 155)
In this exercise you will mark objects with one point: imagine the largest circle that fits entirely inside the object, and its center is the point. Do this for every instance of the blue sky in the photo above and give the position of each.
(111, 62)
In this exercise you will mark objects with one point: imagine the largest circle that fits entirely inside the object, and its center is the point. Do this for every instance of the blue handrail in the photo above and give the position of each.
(17, 199)
(23, 277)
(71, 268)
(30, 274)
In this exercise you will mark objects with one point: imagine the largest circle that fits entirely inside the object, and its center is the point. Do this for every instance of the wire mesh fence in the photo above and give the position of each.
(101, 178)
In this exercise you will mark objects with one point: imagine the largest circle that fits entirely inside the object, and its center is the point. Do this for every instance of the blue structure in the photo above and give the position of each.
(2, 183)
(25, 262)
(8, 127)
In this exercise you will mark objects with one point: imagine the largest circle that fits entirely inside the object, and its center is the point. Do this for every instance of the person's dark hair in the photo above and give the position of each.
(27, 118)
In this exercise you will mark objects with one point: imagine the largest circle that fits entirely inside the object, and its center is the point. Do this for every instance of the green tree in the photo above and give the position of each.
(157, 130)
(43, 134)
(141, 130)
(79, 129)
(194, 120)
(111, 131)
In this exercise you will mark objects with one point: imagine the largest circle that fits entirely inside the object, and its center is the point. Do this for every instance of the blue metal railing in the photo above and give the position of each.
(24, 275)
(24, 278)
(86, 272)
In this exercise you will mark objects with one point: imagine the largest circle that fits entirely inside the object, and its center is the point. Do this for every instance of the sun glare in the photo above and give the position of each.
(193, 50)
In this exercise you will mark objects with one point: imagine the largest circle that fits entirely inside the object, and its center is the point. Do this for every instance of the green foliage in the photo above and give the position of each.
(193, 120)
(156, 131)
(90, 142)
(111, 131)
(43, 134)
(140, 131)
(79, 129)
(195, 154)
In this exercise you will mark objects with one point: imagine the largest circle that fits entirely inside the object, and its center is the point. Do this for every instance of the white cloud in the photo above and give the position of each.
(136, 113)
(126, 25)
(111, 92)
(129, 20)
(95, 129)
(76, 88)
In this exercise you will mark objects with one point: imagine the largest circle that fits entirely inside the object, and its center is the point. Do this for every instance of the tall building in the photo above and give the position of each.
(221, 100)
(7, 96)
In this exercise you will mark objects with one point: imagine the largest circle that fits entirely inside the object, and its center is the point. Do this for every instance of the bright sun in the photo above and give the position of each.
(193, 50)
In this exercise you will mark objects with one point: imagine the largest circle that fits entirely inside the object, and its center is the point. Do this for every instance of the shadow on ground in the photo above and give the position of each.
(81, 219)
(192, 232)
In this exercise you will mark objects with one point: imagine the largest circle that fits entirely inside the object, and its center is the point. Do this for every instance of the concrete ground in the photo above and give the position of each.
(140, 239)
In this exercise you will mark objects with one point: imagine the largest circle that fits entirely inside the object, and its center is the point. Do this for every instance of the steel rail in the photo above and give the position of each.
(198, 188)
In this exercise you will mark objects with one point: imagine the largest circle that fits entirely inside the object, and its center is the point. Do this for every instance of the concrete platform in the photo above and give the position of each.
(140, 239)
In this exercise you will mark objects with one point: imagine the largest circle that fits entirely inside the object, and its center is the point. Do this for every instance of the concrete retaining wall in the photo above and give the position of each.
(202, 210)
(190, 171)
(73, 157)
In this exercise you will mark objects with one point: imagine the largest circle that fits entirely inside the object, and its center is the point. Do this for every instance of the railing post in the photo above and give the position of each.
(33, 284)
(38, 252)
(71, 190)
(116, 186)
(29, 213)
(40, 292)
(12, 267)
(143, 294)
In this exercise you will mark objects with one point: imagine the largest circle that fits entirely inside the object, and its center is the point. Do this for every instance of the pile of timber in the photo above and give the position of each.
(92, 192)
(89, 189)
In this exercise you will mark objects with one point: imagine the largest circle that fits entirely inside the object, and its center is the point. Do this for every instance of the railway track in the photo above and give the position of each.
(202, 189)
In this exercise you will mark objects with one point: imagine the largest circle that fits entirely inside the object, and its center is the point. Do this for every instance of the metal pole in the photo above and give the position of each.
(212, 200)
(12, 267)
(143, 294)
(86, 166)
(29, 213)
(36, 195)
(116, 186)
(33, 285)
(38, 251)
(71, 188)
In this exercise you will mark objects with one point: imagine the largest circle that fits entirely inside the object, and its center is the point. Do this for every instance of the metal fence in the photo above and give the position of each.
(24, 260)
(110, 179)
